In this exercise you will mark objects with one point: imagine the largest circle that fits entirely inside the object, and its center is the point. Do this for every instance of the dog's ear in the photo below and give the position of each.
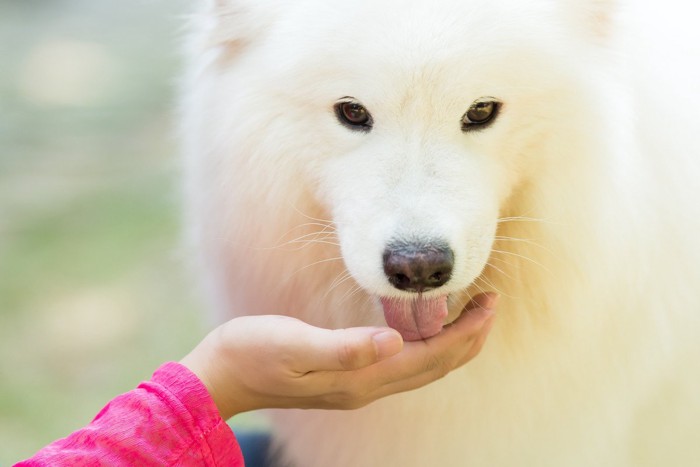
(595, 18)
(235, 23)
(601, 15)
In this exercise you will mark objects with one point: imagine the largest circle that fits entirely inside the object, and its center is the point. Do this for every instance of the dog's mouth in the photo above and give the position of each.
(418, 318)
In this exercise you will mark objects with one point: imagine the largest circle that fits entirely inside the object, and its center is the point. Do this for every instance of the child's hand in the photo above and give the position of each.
(258, 362)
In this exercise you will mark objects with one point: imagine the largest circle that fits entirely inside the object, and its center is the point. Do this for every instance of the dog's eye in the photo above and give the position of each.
(354, 115)
(481, 112)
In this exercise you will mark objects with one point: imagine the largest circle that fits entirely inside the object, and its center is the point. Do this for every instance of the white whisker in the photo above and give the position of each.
(522, 257)
(325, 221)
(521, 240)
(492, 286)
(499, 270)
(502, 220)
(349, 294)
(305, 243)
(342, 278)
(316, 263)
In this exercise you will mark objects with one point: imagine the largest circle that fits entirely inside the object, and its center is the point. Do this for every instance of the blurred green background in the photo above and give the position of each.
(94, 288)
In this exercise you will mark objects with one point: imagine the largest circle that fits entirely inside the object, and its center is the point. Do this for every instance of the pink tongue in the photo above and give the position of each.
(416, 319)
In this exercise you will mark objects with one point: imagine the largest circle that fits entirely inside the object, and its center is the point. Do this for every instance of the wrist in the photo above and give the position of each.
(206, 361)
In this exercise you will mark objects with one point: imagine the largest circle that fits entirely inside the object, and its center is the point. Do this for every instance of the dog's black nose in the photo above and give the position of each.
(418, 266)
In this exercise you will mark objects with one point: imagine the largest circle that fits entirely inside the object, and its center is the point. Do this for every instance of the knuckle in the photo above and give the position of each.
(348, 356)
(475, 349)
(351, 356)
(437, 366)
(473, 352)
(350, 399)
(351, 404)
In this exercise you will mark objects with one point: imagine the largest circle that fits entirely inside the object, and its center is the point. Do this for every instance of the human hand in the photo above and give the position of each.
(256, 362)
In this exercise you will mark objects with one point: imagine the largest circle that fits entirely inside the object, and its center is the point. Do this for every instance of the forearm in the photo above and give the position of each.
(168, 420)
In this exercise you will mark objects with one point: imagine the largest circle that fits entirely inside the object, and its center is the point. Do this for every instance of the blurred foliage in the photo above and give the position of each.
(94, 292)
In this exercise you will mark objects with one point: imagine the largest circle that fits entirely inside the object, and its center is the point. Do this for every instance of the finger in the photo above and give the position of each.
(356, 348)
(472, 318)
(478, 343)
(435, 369)
(437, 355)
(487, 300)
(418, 364)
(349, 349)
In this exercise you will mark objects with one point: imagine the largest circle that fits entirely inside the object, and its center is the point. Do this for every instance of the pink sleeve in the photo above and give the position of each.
(169, 420)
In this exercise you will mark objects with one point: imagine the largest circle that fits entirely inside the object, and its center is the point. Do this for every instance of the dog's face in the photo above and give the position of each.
(415, 123)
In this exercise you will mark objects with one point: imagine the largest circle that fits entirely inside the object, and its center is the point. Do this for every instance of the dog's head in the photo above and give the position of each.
(414, 122)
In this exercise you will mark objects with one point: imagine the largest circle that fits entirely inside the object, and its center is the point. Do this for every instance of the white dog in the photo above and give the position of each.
(351, 163)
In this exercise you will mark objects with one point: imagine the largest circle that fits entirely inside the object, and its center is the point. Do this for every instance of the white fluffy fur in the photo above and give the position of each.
(579, 205)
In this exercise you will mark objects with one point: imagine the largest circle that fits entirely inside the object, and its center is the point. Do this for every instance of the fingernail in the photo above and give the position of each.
(388, 343)
(488, 300)
(495, 298)
(486, 313)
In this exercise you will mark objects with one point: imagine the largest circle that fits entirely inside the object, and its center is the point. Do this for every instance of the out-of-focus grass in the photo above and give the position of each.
(93, 289)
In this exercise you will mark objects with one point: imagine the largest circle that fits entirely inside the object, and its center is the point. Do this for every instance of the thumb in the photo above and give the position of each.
(355, 348)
